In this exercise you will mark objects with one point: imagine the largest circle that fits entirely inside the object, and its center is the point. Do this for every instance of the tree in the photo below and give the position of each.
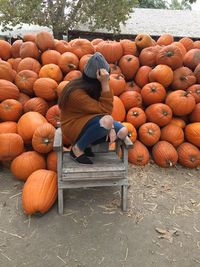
(61, 15)
(162, 4)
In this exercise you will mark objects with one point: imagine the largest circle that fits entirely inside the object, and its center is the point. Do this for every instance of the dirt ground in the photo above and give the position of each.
(160, 229)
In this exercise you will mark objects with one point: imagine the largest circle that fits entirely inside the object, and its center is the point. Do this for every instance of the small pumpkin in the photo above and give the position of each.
(68, 61)
(52, 161)
(149, 133)
(142, 76)
(165, 39)
(188, 155)
(5, 50)
(194, 90)
(117, 84)
(172, 134)
(139, 154)
(81, 47)
(153, 93)
(44, 40)
(53, 115)
(192, 58)
(132, 133)
(50, 86)
(183, 78)
(136, 116)
(8, 127)
(162, 74)
(52, 71)
(8, 90)
(129, 65)
(195, 114)
(50, 57)
(25, 80)
(15, 48)
(29, 64)
(192, 133)
(10, 110)
(29, 49)
(111, 50)
(131, 99)
(36, 104)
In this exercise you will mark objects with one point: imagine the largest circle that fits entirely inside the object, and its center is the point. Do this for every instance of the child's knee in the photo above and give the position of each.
(106, 122)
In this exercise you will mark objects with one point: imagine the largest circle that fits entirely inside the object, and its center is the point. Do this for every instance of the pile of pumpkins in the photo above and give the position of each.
(156, 86)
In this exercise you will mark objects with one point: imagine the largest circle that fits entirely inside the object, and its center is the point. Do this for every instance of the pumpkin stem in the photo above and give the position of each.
(150, 131)
(169, 163)
(169, 53)
(135, 113)
(46, 141)
(193, 158)
(71, 66)
(129, 59)
(153, 89)
(183, 78)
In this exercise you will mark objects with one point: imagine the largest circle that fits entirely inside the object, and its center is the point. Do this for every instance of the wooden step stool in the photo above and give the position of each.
(108, 169)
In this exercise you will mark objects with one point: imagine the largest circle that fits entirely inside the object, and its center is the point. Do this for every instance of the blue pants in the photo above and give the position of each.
(93, 133)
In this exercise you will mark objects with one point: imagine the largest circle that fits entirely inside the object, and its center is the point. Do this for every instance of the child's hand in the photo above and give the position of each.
(102, 75)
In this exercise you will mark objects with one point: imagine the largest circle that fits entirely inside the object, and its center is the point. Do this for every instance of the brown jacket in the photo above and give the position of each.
(80, 108)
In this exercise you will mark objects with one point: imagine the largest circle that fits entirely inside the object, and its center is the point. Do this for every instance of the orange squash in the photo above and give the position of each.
(11, 145)
(10, 110)
(139, 154)
(8, 90)
(188, 155)
(149, 133)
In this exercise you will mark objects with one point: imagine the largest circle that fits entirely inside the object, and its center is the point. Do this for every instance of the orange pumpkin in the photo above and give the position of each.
(25, 80)
(29, 37)
(29, 49)
(181, 47)
(5, 50)
(83, 60)
(132, 133)
(15, 48)
(188, 155)
(149, 133)
(81, 47)
(73, 74)
(44, 41)
(136, 116)
(132, 86)
(53, 115)
(139, 154)
(129, 47)
(28, 123)
(42, 140)
(39, 192)
(153, 93)
(194, 90)
(14, 62)
(178, 122)
(197, 73)
(51, 71)
(129, 65)
(36, 104)
(165, 39)
(148, 55)
(115, 69)
(50, 57)
(164, 154)
(195, 114)
(8, 90)
(192, 133)
(63, 46)
(192, 58)
(143, 40)
(60, 87)
(162, 74)
(183, 78)
(11, 145)
(117, 84)
(187, 42)
(52, 161)
(172, 134)
(142, 76)
(26, 163)
(29, 64)
(6, 72)
(111, 50)
(10, 110)
(119, 111)
(181, 102)
(8, 127)
(68, 61)
(50, 86)
(131, 99)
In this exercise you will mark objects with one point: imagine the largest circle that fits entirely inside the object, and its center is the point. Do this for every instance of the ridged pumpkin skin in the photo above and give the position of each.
(52, 161)
(129, 47)
(132, 133)
(187, 43)
(36, 104)
(8, 90)
(165, 39)
(26, 163)
(29, 64)
(149, 133)
(159, 113)
(181, 102)
(10, 110)
(153, 93)
(25, 80)
(131, 99)
(142, 76)
(29, 49)
(148, 55)
(73, 74)
(23, 98)
(139, 154)
(143, 40)
(50, 57)
(192, 58)
(117, 84)
(51, 71)
(44, 41)
(68, 61)
(53, 115)
(172, 134)
(192, 133)
(162, 74)
(6, 72)
(194, 90)
(28, 123)
(42, 140)
(62, 46)
(119, 111)
(83, 60)
(50, 86)
(178, 122)
(195, 115)
(8, 127)
(188, 155)
(129, 65)
(5, 50)
(111, 50)
(39, 192)
(11, 145)
(164, 154)
(183, 78)
(81, 47)
(136, 116)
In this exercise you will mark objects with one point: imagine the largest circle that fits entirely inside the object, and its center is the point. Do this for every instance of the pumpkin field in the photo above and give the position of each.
(156, 86)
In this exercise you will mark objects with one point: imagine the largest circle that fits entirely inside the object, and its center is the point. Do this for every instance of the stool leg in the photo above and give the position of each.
(124, 197)
(60, 201)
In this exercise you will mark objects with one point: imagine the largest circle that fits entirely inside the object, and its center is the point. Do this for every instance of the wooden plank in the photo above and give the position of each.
(93, 176)
(57, 144)
(98, 183)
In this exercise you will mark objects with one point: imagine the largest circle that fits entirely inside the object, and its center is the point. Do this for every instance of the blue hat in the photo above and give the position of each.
(95, 62)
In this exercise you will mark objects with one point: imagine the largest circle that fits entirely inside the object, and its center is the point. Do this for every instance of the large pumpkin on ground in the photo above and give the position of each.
(39, 192)
(192, 133)
(11, 145)
(188, 155)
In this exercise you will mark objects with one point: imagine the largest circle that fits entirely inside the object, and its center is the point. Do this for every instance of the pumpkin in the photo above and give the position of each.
(15, 48)
(8, 90)
(181, 47)
(117, 84)
(148, 55)
(165, 39)
(63, 46)
(60, 87)
(129, 65)
(149, 133)
(153, 93)
(115, 69)
(29, 64)
(39, 192)
(171, 56)
(23, 98)
(172, 134)
(52, 71)
(5, 50)
(81, 47)
(8, 127)
(96, 41)
(132, 133)
(194, 90)
(44, 41)
(183, 78)
(192, 133)
(187, 43)
(50, 57)
(83, 60)
(36, 104)
(42, 140)
(68, 61)
(164, 154)
(159, 113)
(11, 145)
(178, 121)
(162, 74)
(10, 110)
(192, 58)
(119, 111)
(197, 73)
(196, 44)
(25, 80)
(139, 154)
(195, 114)
(26, 163)
(52, 161)
(136, 116)
(131, 99)
(111, 50)
(6, 72)
(49, 85)
(129, 47)
(188, 155)
(53, 115)
(28, 123)
(73, 74)
(29, 49)
(142, 76)
(143, 40)
(14, 62)
(181, 102)
(29, 37)
(132, 86)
